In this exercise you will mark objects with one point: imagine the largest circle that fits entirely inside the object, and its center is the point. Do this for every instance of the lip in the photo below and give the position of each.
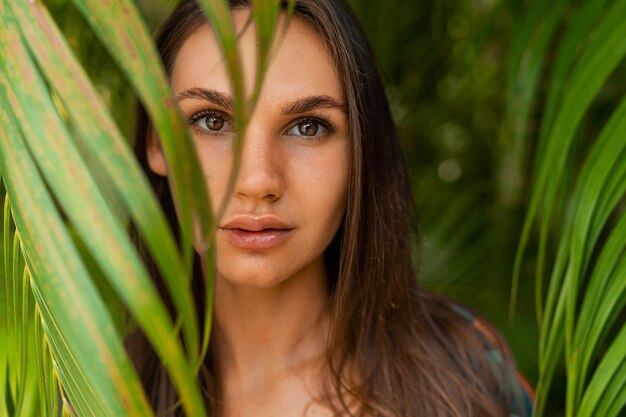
(252, 232)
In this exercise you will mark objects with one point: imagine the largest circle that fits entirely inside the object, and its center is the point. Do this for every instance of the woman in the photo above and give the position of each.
(317, 307)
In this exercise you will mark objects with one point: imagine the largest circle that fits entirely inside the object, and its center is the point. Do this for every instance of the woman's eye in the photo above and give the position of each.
(211, 123)
(308, 127)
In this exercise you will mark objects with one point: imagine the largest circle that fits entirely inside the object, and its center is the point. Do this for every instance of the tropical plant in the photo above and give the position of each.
(70, 187)
(577, 191)
(559, 145)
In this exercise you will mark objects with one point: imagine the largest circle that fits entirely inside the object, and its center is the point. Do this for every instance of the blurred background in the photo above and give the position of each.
(452, 69)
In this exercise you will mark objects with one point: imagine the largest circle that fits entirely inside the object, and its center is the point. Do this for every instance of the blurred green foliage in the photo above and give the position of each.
(444, 63)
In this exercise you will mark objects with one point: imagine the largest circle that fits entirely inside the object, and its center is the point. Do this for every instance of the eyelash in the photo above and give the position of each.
(194, 118)
(325, 124)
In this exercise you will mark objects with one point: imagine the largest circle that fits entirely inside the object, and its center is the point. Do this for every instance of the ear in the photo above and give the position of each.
(154, 152)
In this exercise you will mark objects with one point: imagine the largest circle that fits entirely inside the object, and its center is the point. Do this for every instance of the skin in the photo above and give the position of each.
(271, 311)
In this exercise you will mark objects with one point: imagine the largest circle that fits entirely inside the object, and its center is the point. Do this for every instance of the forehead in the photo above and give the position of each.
(300, 63)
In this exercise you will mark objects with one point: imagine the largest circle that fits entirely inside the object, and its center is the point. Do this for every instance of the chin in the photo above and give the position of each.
(253, 276)
(259, 281)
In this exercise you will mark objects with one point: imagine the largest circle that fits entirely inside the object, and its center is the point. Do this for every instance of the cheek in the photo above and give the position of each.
(326, 183)
(334, 186)
(216, 159)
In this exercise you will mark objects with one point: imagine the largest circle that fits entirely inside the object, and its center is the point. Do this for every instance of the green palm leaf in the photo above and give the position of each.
(584, 293)
(74, 186)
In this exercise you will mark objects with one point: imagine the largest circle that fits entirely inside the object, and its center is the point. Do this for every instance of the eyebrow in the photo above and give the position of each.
(299, 106)
(213, 96)
(314, 102)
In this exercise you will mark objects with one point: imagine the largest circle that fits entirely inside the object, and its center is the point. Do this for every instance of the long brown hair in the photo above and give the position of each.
(414, 353)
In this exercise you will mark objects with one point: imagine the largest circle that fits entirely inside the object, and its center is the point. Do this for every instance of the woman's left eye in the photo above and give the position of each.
(309, 128)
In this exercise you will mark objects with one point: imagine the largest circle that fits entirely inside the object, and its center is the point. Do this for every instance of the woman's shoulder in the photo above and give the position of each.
(497, 353)
(474, 353)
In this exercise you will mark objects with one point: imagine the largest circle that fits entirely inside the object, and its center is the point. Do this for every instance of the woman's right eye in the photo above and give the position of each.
(211, 122)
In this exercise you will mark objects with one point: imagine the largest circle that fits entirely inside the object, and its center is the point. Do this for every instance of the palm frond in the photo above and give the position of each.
(74, 186)
(586, 283)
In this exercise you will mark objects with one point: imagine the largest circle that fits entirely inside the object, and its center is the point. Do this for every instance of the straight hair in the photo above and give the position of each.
(394, 350)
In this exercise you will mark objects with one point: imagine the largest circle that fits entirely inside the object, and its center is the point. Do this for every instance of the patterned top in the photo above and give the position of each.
(519, 388)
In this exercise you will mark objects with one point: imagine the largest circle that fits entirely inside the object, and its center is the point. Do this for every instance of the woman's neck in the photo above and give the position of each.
(261, 334)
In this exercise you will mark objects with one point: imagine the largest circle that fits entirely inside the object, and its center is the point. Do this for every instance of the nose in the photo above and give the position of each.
(260, 176)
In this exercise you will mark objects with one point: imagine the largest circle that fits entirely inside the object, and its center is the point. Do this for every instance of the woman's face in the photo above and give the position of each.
(290, 196)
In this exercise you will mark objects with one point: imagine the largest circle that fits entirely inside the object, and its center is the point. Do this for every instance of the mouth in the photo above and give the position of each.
(256, 233)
